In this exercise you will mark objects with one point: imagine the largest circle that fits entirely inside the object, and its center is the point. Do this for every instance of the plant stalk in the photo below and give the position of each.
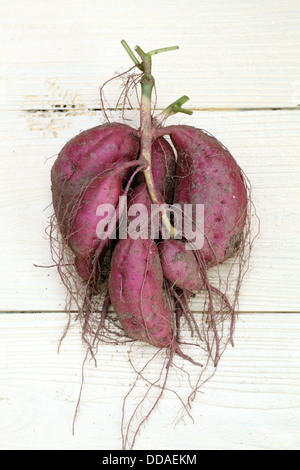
(146, 131)
(173, 108)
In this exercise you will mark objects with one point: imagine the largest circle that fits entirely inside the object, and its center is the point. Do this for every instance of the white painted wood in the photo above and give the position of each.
(244, 54)
(232, 57)
(252, 402)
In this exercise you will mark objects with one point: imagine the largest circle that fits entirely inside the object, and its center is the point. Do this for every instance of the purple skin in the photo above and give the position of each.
(163, 164)
(180, 266)
(86, 156)
(104, 190)
(208, 174)
(140, 195)
(135, 288)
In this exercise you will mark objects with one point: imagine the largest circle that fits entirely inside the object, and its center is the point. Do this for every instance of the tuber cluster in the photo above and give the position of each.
(145, 219)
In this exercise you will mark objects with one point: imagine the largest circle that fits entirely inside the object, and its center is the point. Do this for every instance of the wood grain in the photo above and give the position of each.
(252, 402)
(231, 55)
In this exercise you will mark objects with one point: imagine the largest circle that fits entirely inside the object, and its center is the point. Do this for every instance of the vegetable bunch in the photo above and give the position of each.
(109, 185)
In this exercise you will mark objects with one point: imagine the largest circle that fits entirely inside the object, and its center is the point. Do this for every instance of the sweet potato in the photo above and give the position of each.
(135, 288)
(163, 162)
(83, 238)
(180, 266)
(86, 156)
(208, 174)
(139, 212)
(96, 217)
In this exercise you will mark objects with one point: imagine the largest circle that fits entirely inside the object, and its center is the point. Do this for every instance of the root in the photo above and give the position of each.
(128, 442)
(129, 84)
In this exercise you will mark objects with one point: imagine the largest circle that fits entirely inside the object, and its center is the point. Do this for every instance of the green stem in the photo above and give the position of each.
(146, 129)
(173, 108)
(130, 53)
(146, 125)
(163, 49)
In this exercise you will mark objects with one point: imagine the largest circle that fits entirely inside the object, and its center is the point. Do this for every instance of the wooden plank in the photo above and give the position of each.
(231, 55)
(252, 402)
(266, 145)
